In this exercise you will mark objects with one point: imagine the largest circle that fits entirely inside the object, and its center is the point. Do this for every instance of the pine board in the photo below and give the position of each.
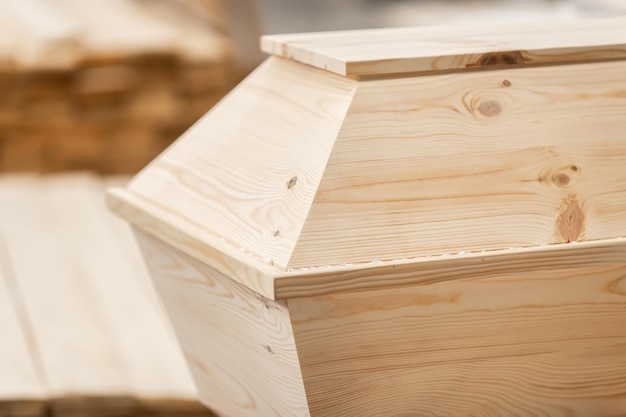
(257, 373)
(465, 162)
(103, 344)
(66, 313)
(21, 390)
(548, 341)
(378, 52)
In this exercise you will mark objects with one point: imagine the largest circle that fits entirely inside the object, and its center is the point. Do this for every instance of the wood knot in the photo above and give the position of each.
(501, 59)
(506, 83)
(292, 182)
(571, 220)
(490, 108)
(560, 179)
(563, 177)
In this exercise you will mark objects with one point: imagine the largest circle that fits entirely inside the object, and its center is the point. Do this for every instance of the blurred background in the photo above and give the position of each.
(91, 91)
(106, 85)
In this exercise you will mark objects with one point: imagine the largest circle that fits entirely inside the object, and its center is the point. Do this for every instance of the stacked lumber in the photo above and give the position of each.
(83, 333)
(108, 85)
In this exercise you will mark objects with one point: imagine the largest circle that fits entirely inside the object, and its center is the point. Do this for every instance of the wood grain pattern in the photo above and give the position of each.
(55, 288)
(548, 342)
(434, 269)
(260, 210)
(472, 161)
(21, 390)
(155, 366)
(165, 225)
(96, 334)
(238, 344)
(428, 49)
(448, 244)
(47, 286)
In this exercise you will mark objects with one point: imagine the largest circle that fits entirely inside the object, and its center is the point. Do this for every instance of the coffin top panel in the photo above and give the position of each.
(301, 173)
(430, 49)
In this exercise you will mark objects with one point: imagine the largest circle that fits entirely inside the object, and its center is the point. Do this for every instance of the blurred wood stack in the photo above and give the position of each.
(106, 85)
(82, 333)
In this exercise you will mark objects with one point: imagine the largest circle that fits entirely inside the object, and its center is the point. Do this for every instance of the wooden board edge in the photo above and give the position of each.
(237, 265)
(303, 48)
(307, 282)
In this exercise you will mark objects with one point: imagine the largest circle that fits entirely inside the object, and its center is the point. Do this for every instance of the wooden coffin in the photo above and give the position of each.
(408, 222)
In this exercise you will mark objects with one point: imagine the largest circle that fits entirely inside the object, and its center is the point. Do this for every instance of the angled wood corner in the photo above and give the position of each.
(239, 345)
(484, 334)
(403, 223)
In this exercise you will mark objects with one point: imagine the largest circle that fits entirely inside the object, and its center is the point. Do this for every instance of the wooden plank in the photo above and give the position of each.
(21, 390)
(548, 341)
(267, 203)
(446, 267)
(426, 49)
(78, 349)
(129, 248)
(106, 272)
(156, 366)
(465, 162)
(239, 344)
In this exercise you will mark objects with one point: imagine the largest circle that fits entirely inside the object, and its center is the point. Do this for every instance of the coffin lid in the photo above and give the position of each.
(427, 49)
(253, 189)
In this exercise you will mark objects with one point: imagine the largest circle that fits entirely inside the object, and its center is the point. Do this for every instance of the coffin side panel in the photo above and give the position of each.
(246, 173)
(548, 343)
(473, 161)
(238, 345)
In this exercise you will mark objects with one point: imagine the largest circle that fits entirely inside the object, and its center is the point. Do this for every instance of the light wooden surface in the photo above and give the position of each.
(421, 166)
(472, 161)
(270, 200)
(550, 341)
(91, 333)
(448, 244)
(21, 391)
(433, 269)
(239, 345)
(426, 49)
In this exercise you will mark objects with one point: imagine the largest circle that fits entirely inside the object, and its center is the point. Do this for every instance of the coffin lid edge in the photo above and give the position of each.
(276, 283)
(379, 52)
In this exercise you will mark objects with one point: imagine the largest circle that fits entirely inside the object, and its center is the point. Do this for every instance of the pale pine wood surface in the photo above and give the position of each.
(225, 259)
(21, 391)
(95, 327)
(260, 210)
(472, 161)
(402, 50)
(434, 269)
(239, 344)
(421, 166)
(544, 342)
(130, 313)
(55, 289)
